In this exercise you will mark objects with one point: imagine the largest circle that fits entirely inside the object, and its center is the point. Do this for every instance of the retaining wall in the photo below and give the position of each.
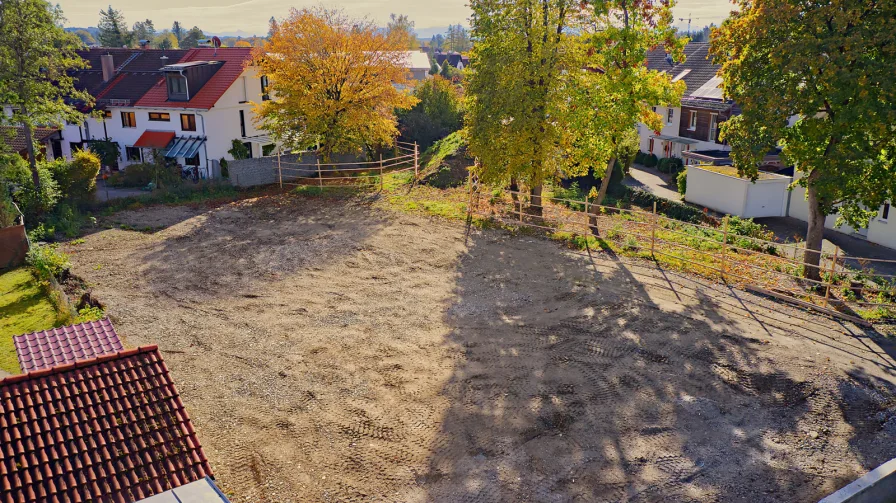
(13, 246)
(876, 486)
(263, 170)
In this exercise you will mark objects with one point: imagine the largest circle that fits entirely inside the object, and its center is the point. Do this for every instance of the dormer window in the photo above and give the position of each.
(177, 87)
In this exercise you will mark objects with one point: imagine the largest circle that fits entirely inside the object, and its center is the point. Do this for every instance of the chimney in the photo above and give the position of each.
(108, 67)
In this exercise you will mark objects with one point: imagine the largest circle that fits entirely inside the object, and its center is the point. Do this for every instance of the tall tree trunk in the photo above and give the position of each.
(535, 200)
(514, 189)
(593, 211)
(605, 182)
(814, 235)
(32, 159)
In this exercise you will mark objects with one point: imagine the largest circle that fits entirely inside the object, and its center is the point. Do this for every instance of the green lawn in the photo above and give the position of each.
(24, 307)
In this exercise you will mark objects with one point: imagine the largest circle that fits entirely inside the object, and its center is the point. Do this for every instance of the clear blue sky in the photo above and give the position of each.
(251, 16)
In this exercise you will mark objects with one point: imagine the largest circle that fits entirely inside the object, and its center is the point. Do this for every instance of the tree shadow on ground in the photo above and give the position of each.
(579, 384)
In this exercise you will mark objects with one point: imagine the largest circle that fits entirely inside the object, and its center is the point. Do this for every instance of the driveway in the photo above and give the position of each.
(651, 180)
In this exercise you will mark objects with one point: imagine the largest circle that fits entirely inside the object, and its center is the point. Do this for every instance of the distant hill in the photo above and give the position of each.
(93, 30)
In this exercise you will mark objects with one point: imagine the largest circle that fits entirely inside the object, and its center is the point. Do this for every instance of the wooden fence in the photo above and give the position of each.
(338, 174)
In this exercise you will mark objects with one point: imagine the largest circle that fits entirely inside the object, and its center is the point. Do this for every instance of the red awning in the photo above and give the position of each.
(155, 139)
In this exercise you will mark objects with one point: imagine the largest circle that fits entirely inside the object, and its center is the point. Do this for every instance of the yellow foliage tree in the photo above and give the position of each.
(242, 43)
(335, 81)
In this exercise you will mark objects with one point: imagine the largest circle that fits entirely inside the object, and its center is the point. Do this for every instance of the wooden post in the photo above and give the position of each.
(587, 218)
(279, 169)
(320, 175)
(725, 247)
(416, 159)
(653, 231)
(470, 205)
(381, 172)
(827, 290)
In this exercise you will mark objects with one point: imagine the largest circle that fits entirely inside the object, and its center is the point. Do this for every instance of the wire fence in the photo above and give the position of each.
(768, 267)
(334, 174)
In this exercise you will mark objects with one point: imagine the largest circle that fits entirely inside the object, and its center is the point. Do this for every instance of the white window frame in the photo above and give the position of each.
(693, 124)
(713, 127)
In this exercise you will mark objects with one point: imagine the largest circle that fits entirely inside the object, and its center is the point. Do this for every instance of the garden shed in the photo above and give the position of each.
(719, 188)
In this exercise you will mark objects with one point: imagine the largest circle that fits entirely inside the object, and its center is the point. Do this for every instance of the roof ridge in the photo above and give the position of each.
(77, 365)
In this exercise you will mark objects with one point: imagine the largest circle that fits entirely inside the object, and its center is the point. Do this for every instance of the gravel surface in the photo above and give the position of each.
(333, 350)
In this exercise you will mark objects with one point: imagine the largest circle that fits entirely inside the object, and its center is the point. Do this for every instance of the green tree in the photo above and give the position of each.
(438, 113)
(36, 56)
(521, 46)
(113, 29)
(143, 30)
(178, 31)
(457, 39)
(401, 27)
(192, 38)
(85, 37)
(437, 41)
(434, 68)
(165, 40)
(829, 66)
(616, 90)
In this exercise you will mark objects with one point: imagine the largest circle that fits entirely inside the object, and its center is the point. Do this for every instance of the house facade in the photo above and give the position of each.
(188, 105)
(694, 126)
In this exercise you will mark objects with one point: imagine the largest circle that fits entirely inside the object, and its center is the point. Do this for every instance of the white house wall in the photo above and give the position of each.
(715, 191)
(669, 129)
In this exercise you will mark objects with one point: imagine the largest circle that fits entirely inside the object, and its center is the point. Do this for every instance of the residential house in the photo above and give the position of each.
(47, 141)
(111, 428)
(694, 126)
(454, 59)
(418, 65)
(64, 345)
(188, 105)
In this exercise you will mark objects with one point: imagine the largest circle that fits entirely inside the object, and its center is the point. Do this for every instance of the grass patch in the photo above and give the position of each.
(24, 307)
(446, 147)
(204, 192)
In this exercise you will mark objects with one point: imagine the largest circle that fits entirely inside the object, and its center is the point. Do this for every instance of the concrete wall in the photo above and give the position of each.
(737, 196)
(263, 170)
(876, 486)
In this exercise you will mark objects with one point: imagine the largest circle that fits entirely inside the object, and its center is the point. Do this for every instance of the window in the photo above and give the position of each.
(713, 126)
(177, 86)
(75, 146)
(56, 147)
(693, 125)
(249, 148)
(264, 88)
(161, 117)
(243, 123)
(650, 147)
(268, 149)
(133, 154)
(670, 115)
(128, 119)
(192, 161)
(188, 122)
(653, 108)
(885, 212)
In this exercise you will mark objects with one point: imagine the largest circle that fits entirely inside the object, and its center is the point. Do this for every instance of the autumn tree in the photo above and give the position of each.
(85, 37)
(165, 40)
(178, 30)
(335, 80)
(113, 29)
(512, 90)
(242, 43)
(817, 80)
(36, 56)
(399, 26)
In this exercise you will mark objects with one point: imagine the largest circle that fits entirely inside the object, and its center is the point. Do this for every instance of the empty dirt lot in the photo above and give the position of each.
(334, 350)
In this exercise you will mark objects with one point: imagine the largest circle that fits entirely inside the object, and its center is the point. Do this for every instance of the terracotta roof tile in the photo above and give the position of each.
(14, 136)
(57, 346)
(234, 58)
(110, 429)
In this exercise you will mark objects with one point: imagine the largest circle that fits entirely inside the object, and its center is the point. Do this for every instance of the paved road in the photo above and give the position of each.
(651, 180)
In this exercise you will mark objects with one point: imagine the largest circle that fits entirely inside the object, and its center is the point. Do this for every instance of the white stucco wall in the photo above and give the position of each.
(737, 196)
(669, 128)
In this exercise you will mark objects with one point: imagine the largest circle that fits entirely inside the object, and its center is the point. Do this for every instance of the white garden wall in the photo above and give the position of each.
(737, 196)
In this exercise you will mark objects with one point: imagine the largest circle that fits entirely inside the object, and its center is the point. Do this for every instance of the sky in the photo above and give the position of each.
(248, 17)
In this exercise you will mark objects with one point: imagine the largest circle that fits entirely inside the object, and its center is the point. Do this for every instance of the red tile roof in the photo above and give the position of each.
(234, 58)
(155, 139)
(57, 346)
(14, 136)
(110, 429)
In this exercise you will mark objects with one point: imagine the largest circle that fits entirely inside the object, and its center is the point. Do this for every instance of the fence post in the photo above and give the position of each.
(725, 247)
(320, 176)
(416, 159)
(653, 230)
(587, 218)
(381, 172)
(470, 205)
(827, 290)
(279, 169)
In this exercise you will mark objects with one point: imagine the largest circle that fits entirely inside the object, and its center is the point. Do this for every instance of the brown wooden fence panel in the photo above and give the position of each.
(13, 246)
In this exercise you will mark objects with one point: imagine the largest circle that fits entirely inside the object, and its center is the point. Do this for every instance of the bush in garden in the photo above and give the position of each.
(682, 181)
(651, 160)
(76, 180)
(15, 172)
(663, 165)
(8, 213)
(639, 157)
(47, 261)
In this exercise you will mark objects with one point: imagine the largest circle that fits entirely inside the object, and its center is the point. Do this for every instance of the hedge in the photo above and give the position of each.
(671, 209)
(650, 161)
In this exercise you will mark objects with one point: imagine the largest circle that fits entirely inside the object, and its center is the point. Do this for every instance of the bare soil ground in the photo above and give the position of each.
(334, 350)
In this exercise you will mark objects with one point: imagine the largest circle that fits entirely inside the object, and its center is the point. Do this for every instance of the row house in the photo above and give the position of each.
(188, 104)
(694, 126)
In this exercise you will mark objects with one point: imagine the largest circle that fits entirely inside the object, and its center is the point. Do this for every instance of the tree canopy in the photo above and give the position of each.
(165, 40)
(457, 39)
(36, 55)
(400, 26)
(818, 81)
(143, 30)
(113, 29)
(335, 80)
(178, 31)
(191, 38)
(438, 113)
